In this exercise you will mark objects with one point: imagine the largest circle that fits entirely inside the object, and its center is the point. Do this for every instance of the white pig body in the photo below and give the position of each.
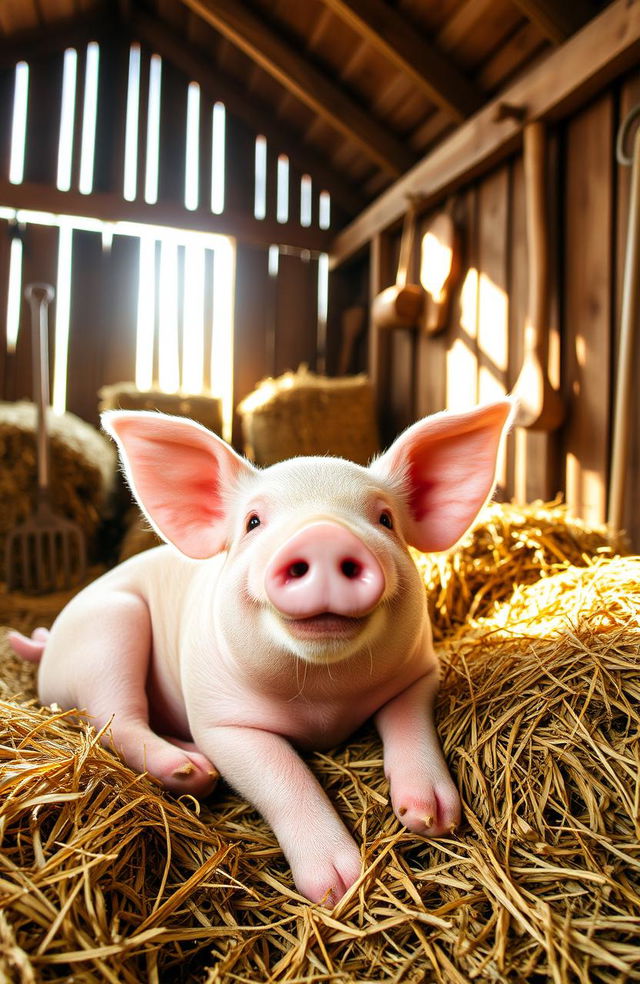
(290, 613)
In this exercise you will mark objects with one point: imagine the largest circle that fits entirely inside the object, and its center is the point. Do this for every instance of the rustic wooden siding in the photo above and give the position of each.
(480, 353)
(275, 315)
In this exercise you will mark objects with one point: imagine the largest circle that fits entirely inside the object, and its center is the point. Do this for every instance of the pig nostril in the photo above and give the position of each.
(350, 568)
(298, 569)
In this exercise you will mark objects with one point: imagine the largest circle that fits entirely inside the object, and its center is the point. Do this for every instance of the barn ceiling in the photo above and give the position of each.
(363, 88)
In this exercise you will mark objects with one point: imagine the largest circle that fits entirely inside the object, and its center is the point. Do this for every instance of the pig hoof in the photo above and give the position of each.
(327, 886)
(434, 813)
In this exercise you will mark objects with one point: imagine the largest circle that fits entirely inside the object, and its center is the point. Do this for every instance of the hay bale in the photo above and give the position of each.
(300, 413)
(207, 410)
(83, 468)
(509, 545)
(538, 714)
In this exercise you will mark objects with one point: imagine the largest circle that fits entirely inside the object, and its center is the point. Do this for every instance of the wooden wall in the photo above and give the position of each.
(480, 353)
(275, 313)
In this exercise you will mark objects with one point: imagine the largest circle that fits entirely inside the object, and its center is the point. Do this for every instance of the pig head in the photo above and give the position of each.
(285, 612)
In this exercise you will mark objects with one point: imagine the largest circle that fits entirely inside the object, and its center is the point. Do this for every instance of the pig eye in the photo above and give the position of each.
(385, 519)
(252, 522)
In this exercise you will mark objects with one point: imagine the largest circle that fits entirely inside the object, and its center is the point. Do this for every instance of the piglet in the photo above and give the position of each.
(284, 611)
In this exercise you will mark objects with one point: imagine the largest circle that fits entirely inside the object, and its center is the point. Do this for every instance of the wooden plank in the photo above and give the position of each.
(239, 167)
(119, 305)
(567, 78)
(557, 21)
(461, 370)
(397, 39)
(89, 328)
(297, 74)
(43, 119)
(108, 170)
(254, 301)
(431, 353)
(39, 264)
(380, 276)
(493, 298)
(531, 454)
(173, 121)
(297, 315)
(112, 208)
(587, 307)
(247, 107)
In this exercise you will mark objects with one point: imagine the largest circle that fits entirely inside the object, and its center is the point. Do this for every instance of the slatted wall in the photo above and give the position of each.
(276, 297)
(480, 353)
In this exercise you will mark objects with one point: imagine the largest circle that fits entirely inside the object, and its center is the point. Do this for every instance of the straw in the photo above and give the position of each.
(104, 877)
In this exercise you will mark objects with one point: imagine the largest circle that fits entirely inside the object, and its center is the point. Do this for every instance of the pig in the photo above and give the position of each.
(282, 612)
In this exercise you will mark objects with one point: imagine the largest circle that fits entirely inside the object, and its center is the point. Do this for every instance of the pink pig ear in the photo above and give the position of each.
(180, 473)
(448, 465)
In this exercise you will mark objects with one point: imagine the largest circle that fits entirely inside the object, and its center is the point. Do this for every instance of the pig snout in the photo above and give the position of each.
(324, 567)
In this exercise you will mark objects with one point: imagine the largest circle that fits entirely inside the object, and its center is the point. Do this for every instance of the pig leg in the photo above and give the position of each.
(423, 794)
(111, 642)
(265, 769)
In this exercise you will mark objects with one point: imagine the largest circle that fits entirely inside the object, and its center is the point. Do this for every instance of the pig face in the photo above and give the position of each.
(317, 563)
(316, 559)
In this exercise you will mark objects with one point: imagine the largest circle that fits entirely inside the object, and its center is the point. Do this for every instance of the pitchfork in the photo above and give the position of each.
(46, 552)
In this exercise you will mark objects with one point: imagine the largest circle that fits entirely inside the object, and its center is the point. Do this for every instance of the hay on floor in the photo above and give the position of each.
(104, 878)
(83, 469)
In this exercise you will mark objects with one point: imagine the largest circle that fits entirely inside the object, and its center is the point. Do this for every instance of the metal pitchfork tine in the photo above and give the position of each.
(46, 552)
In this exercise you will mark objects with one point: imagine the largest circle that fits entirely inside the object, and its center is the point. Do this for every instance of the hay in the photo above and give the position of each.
(103, 878)
(207, 410)
(301, 413)
(510, 545)
(83, 469)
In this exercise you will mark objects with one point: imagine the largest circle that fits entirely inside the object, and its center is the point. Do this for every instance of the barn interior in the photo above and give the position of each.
(307, 226)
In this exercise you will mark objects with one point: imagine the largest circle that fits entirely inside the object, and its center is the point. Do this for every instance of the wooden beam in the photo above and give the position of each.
(307, 83)
(112, 208)
(567, 78)
(260, 117)
(71, 32)
(557, 21)
(399, 41)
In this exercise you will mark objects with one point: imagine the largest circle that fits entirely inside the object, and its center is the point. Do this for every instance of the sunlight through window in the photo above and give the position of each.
(218, 139)
(89, 116)
(153, 131)
(260, 192)
(192, 163)
(14, 293)
(19, 123)
(131, 129)
(67, 119)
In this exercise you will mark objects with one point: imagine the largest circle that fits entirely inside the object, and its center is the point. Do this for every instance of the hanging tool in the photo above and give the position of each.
(401, 305)
(46, 552)
(629, 315)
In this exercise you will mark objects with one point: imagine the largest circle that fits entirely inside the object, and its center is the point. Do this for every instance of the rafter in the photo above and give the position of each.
(557, 21)
(600, 52)
(398, 40)
(111, 207)
(152, 32)
(300, 77)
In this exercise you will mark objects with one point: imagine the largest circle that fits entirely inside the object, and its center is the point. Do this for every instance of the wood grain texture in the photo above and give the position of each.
(555, 87)
(289, 66)
(587, 307)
